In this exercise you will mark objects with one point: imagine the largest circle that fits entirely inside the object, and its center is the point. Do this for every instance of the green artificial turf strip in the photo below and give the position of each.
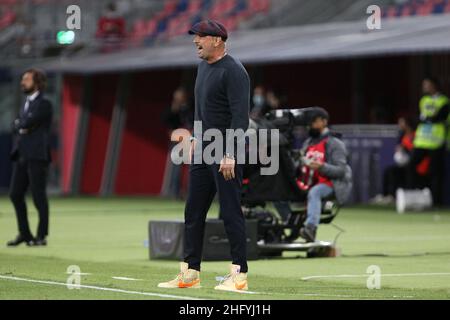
(105, 237)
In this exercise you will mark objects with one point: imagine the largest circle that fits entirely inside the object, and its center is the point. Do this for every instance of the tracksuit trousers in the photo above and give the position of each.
(204, 182)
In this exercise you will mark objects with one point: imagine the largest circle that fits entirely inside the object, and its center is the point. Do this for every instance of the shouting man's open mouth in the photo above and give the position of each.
(199, 50)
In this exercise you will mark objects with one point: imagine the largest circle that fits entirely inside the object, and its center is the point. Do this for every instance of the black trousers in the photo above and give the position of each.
(204, 182)
(435, 174)
(394, 177)
(33, 174)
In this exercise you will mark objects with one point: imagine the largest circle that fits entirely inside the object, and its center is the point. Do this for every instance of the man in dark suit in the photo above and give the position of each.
(31, 156)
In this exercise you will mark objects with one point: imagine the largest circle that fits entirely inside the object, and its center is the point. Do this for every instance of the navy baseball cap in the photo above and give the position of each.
(318, 112)
(209, 28)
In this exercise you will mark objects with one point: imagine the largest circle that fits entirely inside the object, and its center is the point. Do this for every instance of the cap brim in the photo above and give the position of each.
(193, 31)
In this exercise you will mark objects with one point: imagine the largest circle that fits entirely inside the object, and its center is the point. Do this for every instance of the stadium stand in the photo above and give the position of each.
(7, 18)
(177, 16)
(154, 22)
(147, 22)
(417, 7)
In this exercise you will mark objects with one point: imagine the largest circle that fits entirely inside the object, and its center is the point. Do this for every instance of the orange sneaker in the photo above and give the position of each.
(187, 278)
(235, 281)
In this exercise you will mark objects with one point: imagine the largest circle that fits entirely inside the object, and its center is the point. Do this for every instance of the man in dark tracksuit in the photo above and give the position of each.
(31, 156)
(222, 100)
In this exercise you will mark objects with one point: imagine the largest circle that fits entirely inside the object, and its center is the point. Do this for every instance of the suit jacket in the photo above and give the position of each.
(35, 144)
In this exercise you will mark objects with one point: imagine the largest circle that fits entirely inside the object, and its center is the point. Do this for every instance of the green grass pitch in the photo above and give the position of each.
(105, 238)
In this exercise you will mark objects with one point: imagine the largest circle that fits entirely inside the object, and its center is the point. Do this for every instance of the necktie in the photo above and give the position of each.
(27, 104)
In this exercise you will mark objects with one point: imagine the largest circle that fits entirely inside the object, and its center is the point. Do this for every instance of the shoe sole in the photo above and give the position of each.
(223, 288)
(195, 286)
(306, 237)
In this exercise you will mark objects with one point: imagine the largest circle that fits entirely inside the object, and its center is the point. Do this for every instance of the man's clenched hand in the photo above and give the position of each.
(227, 168)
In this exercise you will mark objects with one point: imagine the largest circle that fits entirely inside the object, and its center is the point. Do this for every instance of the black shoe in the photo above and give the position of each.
(39, 242)
(308, 233)
(29, 241)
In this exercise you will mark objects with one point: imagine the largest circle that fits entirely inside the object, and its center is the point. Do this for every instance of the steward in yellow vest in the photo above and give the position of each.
(431, 131)
(430, 139)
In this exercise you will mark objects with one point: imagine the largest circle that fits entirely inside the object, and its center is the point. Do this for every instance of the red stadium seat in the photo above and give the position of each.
(252, 6)
(170, 6)
(215, 11)
(138, 28)
(178, 25)
(391, 11)
(259, 5)
(231, 23)
(150, 26)
(221, 8)
(172, 26)
(108, 27)
(184, 27)
(138, 32)
(447, 7)
(194, 7)
(425, 9)
(265, 5)
(417, 7)
(406, 11)
(229, 5)
(7, 19)
(244, 14)
(142, 28)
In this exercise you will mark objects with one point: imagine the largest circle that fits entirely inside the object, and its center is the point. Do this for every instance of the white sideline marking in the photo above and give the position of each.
(349, 296)
(79, 273)
(126, 279)
(152, 294)
(252, 292)
(243, 291)
(381, 274)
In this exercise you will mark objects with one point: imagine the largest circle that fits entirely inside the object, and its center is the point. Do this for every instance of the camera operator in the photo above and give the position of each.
(325, 172)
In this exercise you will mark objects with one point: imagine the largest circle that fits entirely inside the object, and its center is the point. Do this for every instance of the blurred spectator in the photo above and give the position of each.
(447, 163)
(275, 99)
(262, 103)
(178, 115)
(258, 102)
(395, 176)
(430, 138)
(111, 29)
(381, 111)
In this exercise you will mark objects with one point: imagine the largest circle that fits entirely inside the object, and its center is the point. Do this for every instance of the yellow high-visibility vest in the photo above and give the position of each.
(448, 132)
(431, 135)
